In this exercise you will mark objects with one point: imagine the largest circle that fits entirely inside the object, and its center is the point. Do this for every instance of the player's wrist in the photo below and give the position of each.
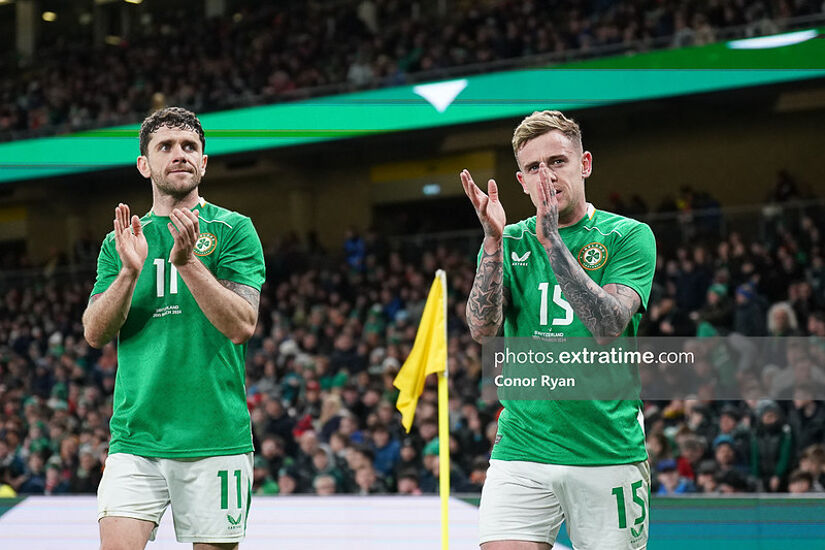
(131, 273)
(552, 241)
(188, 261)
(491, 243)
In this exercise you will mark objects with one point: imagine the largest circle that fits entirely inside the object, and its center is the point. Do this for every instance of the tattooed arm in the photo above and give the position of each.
(485, 307)
(252, 296)
(488, 297)
(605, 311)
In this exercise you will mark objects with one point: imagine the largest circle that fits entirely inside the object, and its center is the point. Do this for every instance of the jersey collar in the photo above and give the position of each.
(201, 203)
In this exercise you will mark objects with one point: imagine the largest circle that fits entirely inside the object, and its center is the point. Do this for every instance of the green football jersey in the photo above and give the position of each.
(179, 388)
(611, 249)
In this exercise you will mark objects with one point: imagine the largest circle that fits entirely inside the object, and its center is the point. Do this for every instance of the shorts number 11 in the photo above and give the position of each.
(224, 475)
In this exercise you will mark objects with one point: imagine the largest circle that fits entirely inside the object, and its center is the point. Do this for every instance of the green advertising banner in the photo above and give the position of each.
(608, 81)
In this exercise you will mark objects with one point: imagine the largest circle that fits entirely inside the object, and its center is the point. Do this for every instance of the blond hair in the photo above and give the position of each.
(541, 122)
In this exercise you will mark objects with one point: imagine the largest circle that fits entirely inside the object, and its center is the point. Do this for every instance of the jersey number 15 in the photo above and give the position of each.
(559, 301)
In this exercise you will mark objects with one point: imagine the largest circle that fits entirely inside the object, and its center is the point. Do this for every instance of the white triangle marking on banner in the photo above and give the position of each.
(441, 94)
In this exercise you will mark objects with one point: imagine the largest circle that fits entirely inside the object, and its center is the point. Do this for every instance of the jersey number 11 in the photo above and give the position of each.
(160, 275)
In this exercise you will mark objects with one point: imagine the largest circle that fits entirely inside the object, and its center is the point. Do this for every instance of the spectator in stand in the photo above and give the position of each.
(726, 456)
(717, 310)
(368, 481)
(806, 418)
(730, 425)
(262, 482)
(669, 481)
(355, 250)
(782, 321)
(691, 284)
(87, 476)
(732, 481)
(348, 427)
(772, 450)
(304, 468)
(470, 434)
(324, 485)
(812, 460)
(699, 418)
(478, 474)
(408, 483)
(800, 481)
(357, 457)
(55, 484)
(691, 452)
(410, 460)
(387, 450)
(324, 465)
(33, 480)
(801, 375)
(287, 482)
(429, 479)
(273, 451)
(666, 319)
(749, 316)
(804, 300)
(658, 448)
(707, 477)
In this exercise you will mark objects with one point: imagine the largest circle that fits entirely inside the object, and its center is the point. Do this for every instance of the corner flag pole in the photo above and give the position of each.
(444, 433)
(429, 356)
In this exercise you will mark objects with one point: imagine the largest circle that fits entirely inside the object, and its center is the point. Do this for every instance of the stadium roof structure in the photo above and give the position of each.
(789, 57)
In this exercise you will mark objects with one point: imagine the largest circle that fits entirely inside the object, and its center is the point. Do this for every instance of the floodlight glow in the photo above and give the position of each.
(774, 41)
(431, 189)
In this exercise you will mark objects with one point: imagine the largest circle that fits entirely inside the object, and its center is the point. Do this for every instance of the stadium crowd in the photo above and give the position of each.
(265, 54)
(335, 326)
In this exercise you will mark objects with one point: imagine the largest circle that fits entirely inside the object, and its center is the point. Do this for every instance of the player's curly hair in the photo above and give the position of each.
(172, 117)
(541, 122)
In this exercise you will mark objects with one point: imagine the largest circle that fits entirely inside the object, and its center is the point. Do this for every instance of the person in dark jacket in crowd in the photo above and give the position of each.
(771, 447)
(749, 316)
(807, 419)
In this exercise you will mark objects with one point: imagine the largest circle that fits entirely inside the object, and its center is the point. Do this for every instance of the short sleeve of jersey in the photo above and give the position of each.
(108, 266)
(634, 262)
(242, 258)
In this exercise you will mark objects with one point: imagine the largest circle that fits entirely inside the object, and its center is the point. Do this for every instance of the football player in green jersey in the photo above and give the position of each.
(570, 271)
(179, 287)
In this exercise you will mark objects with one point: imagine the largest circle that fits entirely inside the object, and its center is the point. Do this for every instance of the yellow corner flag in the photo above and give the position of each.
(429, 353)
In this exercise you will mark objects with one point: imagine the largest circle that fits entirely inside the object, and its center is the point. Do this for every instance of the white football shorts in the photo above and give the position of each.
(209, 496)
(604, 506)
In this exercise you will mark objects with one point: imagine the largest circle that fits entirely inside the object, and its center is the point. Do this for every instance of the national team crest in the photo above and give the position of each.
(593, 256)
(205, 244)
